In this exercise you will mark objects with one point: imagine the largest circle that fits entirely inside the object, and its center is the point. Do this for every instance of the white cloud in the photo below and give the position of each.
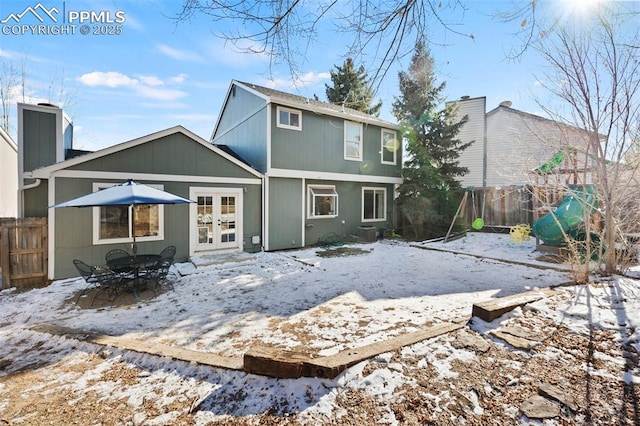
(151, 80)
(161, 94)
(309, 79)
(146, 86)
(179, 54)
(180, 78)
(313, 77)
(109, 79)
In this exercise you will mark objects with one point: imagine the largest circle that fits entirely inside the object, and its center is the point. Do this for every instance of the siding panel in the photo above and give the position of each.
(172, 154)
(320, 147)
(285, 222)
(39, 139)
(518, 142)
(473, 130)
(243, 127)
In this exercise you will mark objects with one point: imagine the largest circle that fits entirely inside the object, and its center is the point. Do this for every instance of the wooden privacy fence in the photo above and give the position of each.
(499, 207)
(23, 252)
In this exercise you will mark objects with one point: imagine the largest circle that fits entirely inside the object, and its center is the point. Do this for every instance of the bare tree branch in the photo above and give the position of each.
(594, 73)
(9, 79)
(380, 32)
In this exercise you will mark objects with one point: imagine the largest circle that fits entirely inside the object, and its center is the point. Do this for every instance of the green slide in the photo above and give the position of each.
(566, 218)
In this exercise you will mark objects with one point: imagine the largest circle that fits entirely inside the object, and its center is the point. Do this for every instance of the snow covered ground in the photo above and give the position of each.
(299, 300)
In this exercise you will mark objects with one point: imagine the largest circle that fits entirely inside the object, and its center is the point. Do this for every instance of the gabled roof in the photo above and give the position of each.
(560, 124)
(519, 112)
(45, 172)
(308, 104)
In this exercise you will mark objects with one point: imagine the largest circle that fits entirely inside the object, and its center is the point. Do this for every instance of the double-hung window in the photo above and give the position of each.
(289, 118)
(389, 147)
(352, 141)
(374, 204)
(114, 224)
(322, 201)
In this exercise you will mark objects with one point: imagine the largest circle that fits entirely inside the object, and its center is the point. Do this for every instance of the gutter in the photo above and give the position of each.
(21, 189)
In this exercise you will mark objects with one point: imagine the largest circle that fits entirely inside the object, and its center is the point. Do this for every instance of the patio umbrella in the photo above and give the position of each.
(129, 193)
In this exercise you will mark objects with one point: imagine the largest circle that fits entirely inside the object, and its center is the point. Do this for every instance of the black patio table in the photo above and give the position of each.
(134, 267)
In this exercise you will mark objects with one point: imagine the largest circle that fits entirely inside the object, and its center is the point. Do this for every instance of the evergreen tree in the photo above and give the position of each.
(432, 166)
(352, 89)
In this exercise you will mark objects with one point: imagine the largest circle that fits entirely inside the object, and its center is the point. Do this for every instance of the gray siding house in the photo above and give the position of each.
(280, 172)
(510, 144)
(328, 170)
(226, 214)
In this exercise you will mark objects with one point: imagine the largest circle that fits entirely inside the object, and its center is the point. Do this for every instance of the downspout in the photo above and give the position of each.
(303, 236)
(51, 215)
(21, 190)
(263, 215)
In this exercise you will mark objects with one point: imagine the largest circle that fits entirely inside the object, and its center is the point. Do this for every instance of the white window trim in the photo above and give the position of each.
(374, 188)
(350, 158)
(290, 111)
(96, 221)
(383, 148)
(311, 204)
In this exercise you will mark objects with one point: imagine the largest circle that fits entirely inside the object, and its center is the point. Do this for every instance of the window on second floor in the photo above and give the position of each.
(374, 204)
(352, 141)
(289, 118)
(323, 201)
(390, 147)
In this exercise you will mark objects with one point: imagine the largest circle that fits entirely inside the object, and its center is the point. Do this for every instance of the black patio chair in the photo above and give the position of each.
(102, 278)
(159, 271)
(125, 271)
(116, 254)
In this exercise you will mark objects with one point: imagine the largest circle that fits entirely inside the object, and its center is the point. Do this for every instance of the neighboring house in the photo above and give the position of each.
(8, 176)
(328, 170)
(510, 144)
(228, 193)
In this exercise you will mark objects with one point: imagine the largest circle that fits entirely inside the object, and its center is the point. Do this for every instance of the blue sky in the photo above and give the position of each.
(157, 74)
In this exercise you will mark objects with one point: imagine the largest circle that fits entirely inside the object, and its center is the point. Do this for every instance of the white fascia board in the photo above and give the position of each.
(251, 90)
(44, 172)
(224, 104)
(88, 174)
(304, 174)
(226, 101)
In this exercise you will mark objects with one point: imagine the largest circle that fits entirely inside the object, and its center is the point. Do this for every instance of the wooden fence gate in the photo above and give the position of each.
(23, 252)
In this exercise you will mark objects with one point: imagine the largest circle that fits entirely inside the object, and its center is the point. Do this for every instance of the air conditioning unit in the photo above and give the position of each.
(367, 234)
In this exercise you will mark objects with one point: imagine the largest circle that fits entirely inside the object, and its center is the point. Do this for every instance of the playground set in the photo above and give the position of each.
(560, 210)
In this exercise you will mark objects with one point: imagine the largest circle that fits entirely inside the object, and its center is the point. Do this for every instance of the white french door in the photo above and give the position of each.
(216, 222)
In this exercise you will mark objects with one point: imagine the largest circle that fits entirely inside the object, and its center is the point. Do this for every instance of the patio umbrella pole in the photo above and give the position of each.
(134, 247)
